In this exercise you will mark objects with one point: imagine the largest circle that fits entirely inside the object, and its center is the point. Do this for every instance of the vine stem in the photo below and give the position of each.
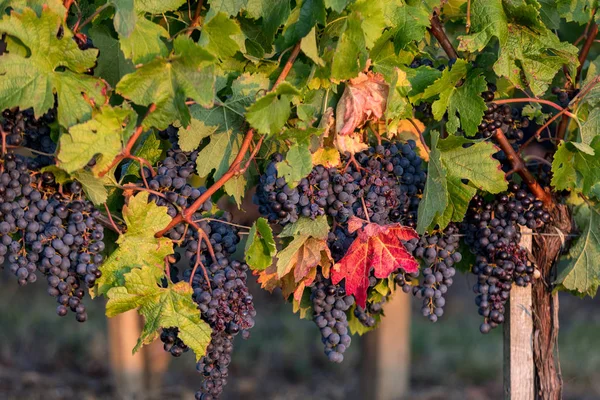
(520, 168)
(112, 221)
(532, 100)
(126, 152)
(437, 30)
(187, 214)
(561, 130)
(196, 20)
(91, 17)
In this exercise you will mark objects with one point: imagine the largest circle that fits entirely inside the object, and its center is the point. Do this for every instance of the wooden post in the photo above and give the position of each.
(386, 353)
(127, 368)
(519, 369)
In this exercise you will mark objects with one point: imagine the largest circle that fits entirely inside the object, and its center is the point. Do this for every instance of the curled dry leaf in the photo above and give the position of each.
(364, 99)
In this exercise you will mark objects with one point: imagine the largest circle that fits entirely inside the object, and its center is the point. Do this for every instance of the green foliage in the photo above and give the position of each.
(260, 247)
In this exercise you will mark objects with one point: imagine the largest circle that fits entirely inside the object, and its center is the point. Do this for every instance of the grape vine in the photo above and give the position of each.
(383, 144)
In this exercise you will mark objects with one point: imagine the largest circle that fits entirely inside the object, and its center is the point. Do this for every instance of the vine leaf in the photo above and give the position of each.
(435, 194)
(229, 114)
(364, 99)
(260, 247)
(378, 248)
(188, 73)
(37, 5)
(591, 127)
(191, 137)
(464, 100)
(574, 168)
(310, 48)
(297, 164)
(530, 54)
(33, 81)
(269, 114)
(317, 228)
(222, 36)
(112, 64)
(125, 17)
(158, 6)
(94, 188)
(411, 22)
(576, 11)
(137, 246)
(273, 13)
(302, 20)
(227, 7)
(144, 43)
(350, 55)
(161, 308)
(104, 134)
(579, 271)
(474, 164)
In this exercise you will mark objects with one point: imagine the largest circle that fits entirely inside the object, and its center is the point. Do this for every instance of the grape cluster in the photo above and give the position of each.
(214, 366)
(25, 130)
(564, 96)
(330, 304)
(380, 184)
(42, 230)
(505, 117)
(172, 343)
(492, 230)
(438, 253)
(171, 181)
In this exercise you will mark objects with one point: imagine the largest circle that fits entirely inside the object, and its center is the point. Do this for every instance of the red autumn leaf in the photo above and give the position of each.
(355, 223)
(364, 99)
(379, 248)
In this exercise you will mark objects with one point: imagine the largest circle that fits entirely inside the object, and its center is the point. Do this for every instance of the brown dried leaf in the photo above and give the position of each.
(364, 99)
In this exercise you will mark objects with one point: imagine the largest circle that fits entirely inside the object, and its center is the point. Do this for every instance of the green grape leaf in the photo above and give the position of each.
(336, 5)
(137, 246)
(317, 228)
(549, 14)
(273, 13)
(221, 36)
(188, 73)
(573, 168)
(104, 134)
(464, 100)
(93, 187)
(112, 64)
(227, 7)
(373, 21)
(435, 194)
(473, 164)
(384, 58)
(158, 6)
(191, 137)
(144, 43)
(218, 155)
(125, 17)
(37, 5)
(591, 127)
(297, 164)
(411, 23)
(579, 11)
(579, 270)
(269, 114)
(310, 48)
(350, 55)
(33, 81)
(230, 114)
(530, 55)
(161, 308)
(309, 14)
(260, 247)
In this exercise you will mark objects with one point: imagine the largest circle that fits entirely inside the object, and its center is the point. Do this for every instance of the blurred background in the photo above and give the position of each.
(46, 357)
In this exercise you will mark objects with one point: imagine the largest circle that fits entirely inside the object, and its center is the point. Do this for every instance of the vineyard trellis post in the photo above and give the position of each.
(519, 368)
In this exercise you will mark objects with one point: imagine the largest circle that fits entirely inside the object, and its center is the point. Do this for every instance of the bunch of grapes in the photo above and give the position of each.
(330, 304)
(24, 130)
(43, 230)
(172, 343)
(492, 230)
(382, 185)
(438, 252)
